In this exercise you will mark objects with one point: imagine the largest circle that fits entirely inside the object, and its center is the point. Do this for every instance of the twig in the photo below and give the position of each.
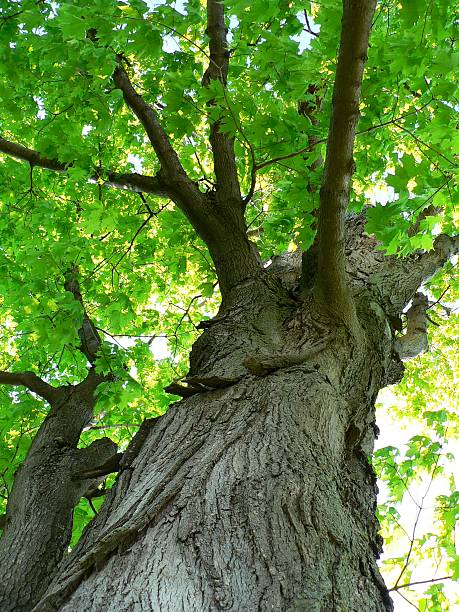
(418, 514)
(435, 303)
(145, 222)
(424, 144)
(407, 600)
(408, 584)
(307, 149)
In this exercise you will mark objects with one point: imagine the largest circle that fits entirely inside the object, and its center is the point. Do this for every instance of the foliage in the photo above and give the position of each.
(147, 278)
(419, 502)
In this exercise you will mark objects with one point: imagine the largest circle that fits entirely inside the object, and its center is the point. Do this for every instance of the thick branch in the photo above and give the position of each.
(33, 157)
(173, 178)
(221, 227)
(415, 340)
(41, 504)
(222, 146)
(132, 182)
(112, 464)
(398, 278)
(172, 171)
(339, 164)
(31, 381)
(394, 279)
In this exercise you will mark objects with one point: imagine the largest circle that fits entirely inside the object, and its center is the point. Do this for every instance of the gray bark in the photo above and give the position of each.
(257, 495)
(38, 523)
(253, 493)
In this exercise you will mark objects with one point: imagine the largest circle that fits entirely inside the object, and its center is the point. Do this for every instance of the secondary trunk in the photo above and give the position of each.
(256, 495)
(46, 488)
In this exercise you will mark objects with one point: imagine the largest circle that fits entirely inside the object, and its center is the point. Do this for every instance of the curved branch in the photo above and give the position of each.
(32, 382)
(33, 157)
(331, 285)
(404, 275)
(132, 182)
(221, 227)
(172, 172)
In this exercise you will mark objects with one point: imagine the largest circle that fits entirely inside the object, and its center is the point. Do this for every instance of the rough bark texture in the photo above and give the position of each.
(339, 167)
(255, 496)
(36, 534)
(253, 501)
(256, 493)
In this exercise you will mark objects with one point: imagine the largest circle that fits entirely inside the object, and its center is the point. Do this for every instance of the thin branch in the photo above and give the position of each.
(132, 182)
(424, 144)
(149, 336)
(308, 148)
(33, 157)
(308, 28)
(30, 380)
(89, 337)
(331, 283)
(186, 313)
(409, 584)
(439, 299)
(280, 158)
(418, 515)
(145, 222)
(408, 601)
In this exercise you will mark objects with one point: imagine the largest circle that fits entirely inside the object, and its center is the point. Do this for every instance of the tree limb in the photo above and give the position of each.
(331, 286)
(98, 459)
(172, 172)
(88, 334)
(132, 182)
(428, 581)
(33, 157)
(111, 465)
(222, 146)
(31, 381)
(398, 278)
(415, 340)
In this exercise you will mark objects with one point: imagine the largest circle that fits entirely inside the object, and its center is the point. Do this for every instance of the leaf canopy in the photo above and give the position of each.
(149, 284)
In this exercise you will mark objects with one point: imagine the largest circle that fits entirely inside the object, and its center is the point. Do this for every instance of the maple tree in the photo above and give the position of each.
(269, 199)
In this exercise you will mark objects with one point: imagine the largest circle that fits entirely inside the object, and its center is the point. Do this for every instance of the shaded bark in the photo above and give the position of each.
(252, 519)
(38, 523)
(54, 476)
(256, 491)
(255, 496)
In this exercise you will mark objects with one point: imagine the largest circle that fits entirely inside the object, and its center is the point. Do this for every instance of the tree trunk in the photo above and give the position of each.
(254, 496)
(46, 489)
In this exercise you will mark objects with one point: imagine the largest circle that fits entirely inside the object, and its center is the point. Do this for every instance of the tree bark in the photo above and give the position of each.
(38, 523)
(253, 493)
(256, 495)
